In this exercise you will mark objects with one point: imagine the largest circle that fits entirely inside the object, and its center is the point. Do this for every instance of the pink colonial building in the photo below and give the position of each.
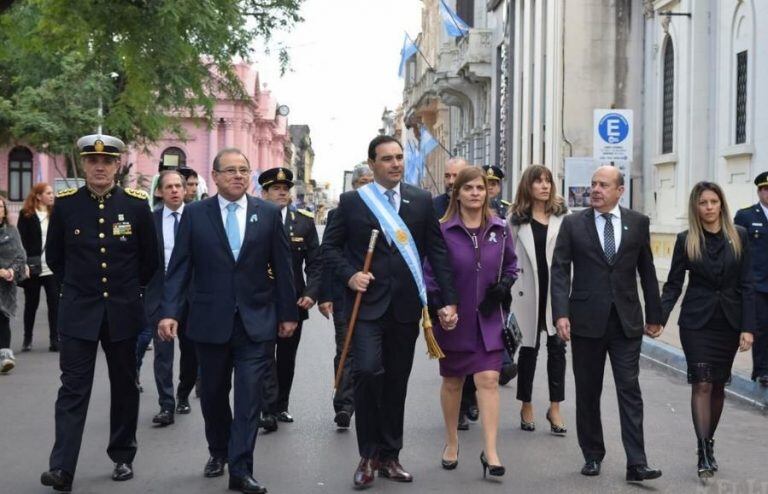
(253, 126)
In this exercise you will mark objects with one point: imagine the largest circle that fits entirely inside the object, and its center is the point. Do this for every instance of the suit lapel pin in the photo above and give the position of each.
(626, 228)
(405, 201)
(492, 238)
(254, 218)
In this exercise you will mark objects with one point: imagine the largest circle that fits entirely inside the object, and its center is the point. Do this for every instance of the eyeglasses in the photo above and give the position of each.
(231, 172)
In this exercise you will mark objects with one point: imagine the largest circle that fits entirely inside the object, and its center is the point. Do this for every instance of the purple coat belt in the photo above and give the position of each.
(475, 264)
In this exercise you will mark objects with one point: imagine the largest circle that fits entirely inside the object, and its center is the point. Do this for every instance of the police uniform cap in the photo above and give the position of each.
(100, 144)
(277, 175)
(762, 180)
(493, 172)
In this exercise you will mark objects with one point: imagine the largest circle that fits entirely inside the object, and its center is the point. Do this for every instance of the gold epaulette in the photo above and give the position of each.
(66, 192)
(306, 213)
(137, 193)
(506, 203)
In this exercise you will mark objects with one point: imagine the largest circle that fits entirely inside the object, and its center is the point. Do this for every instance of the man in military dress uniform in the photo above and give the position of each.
(101, 246)
(755, 220)
(495, 175)
(300, 227)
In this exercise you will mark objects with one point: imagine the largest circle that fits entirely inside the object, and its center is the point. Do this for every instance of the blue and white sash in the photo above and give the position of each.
(397, 232)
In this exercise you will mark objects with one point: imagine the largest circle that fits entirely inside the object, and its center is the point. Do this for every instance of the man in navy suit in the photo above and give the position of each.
(167, 219)
(388, 320)
(755, 220)
(233, 250)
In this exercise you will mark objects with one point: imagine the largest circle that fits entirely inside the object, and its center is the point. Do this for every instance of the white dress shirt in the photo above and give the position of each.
(600, 225)
(169, 239)
(396, 197)
(284, 213)
(240, 213)
(43, 217)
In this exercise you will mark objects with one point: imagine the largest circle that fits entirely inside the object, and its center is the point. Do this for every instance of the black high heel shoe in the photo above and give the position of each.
(494, 470)
(449, 464)
(558, 429)
(711, 453)
(527, 426)
(704, 467)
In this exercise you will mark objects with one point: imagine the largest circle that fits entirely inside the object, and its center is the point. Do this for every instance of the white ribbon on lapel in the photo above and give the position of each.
(397, 232)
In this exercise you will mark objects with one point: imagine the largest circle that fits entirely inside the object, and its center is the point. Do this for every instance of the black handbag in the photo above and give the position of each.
(510, 332)
(35, 264)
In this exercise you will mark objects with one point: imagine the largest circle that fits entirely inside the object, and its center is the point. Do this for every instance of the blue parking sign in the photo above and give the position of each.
(613, 128)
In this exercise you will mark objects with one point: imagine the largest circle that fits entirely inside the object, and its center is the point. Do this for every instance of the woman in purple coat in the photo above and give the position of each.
(476, 240)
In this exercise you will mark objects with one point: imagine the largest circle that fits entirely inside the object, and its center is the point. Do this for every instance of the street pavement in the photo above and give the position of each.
(311, 456)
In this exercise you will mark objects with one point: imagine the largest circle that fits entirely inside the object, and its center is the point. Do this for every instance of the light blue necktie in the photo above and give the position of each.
(391, 197)
(233, 230)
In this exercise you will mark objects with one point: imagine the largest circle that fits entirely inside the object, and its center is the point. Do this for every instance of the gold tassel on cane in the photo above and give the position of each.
(433, 349)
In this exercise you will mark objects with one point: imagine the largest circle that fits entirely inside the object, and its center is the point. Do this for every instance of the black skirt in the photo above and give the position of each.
(711, 349)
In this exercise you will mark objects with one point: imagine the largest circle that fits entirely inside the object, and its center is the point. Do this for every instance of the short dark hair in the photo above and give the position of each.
(376, 142)
(165, 173)
(217, 159)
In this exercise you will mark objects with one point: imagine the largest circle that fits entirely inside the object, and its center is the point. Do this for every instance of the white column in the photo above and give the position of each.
(527, 94)
(516, 95)
(213, 144)
(537, 120)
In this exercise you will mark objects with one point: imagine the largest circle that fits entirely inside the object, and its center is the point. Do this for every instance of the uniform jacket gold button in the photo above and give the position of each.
(101, 220)
(106, 295)
(101, 206)
(103, 250)
(103, 280)
(104, 265)
(101, 235)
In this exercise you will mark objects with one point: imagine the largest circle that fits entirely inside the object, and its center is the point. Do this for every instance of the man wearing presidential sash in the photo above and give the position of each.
(393, 298)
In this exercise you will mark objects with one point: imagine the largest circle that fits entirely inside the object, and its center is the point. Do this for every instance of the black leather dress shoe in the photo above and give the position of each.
(638, 473)
(284, 417)
(268, 422)
(343, 419)
(246, 485)
(591, 468)
(214, 467)
(393, 470)
(763, 380)
(122, 471)
(463, 424)
(58, 479)
(164, 418)
(473, 413)
(182, 406)
(365, 473)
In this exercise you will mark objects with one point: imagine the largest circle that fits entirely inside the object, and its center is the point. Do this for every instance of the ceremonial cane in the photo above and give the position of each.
(355, 310)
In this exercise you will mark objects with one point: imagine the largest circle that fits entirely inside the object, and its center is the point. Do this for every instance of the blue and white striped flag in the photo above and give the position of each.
(455, 27)
(409, 49)
(427, 143)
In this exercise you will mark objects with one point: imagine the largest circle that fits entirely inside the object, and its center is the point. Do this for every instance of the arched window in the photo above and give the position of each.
(174, 156)
(19, 173)
(668, 99)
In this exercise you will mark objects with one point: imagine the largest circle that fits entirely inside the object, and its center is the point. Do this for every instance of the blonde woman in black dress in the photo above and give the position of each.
(717, 316)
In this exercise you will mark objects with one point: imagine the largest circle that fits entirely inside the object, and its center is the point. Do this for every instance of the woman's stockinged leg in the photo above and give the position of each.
(487, 383)
(450, 400)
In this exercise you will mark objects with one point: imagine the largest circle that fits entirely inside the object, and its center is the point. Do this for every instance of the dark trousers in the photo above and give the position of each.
(32, 288)
(468, 394)
(588, 368)
(163, 367)
(233, 436)
(5, 331)
(142, 343)
(344, 398)
(277, 385)
(383, 352)
(760, 345)
(526, 368)
(76, 360)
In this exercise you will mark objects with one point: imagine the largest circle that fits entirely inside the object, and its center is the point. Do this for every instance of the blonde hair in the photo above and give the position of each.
(467, 175)
(693, 244)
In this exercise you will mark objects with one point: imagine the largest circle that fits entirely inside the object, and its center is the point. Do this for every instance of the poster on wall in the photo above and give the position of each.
(578, 182)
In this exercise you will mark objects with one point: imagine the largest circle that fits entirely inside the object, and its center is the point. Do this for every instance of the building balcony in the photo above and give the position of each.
(469, 56)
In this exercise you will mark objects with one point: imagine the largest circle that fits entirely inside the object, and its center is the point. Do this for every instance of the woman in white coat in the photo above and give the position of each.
(535, 217)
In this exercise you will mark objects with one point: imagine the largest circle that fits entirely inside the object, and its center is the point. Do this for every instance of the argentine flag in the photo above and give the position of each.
(409, 50)
(427, 142)
(454, 26)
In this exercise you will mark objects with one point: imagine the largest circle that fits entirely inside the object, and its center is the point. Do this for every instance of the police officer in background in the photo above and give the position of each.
(755, 220)
(495, 175)
(300, 227)
(101, 246)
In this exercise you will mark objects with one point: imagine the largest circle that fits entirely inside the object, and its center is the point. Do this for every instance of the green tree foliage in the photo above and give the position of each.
(147, 61)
